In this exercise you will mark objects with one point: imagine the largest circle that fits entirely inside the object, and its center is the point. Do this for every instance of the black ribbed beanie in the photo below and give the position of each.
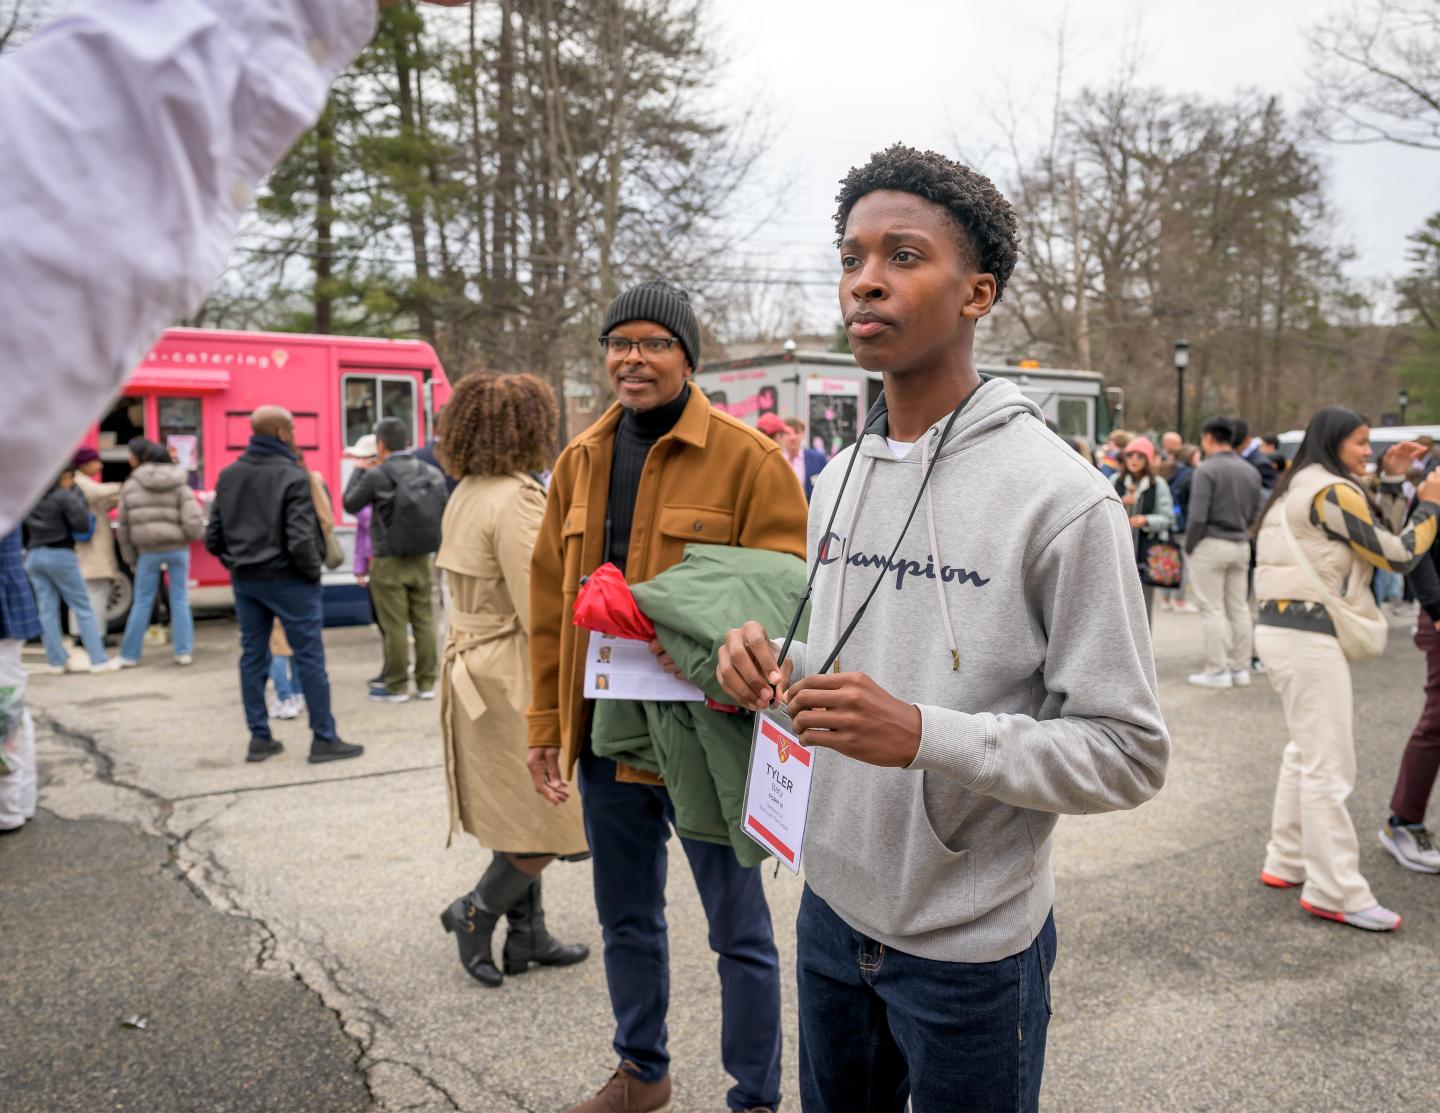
(662, 303)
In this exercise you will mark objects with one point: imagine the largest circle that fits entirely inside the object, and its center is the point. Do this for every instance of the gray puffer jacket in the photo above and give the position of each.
(158, 512)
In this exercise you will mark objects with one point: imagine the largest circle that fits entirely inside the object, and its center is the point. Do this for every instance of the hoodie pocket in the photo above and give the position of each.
(936, 884)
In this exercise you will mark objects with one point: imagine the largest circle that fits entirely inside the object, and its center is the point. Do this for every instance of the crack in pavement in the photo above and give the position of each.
(216, 889)
(244, 789)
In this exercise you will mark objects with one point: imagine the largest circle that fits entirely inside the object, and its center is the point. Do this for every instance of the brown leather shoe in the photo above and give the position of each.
(625, 1093)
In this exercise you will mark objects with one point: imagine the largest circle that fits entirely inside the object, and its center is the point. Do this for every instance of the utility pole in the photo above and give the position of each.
(1182, 361)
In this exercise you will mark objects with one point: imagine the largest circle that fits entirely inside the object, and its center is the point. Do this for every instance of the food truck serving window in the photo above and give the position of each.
(368, 398)
(183, 435)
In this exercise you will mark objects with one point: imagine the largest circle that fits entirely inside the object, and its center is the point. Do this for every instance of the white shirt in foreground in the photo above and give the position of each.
(132, 136)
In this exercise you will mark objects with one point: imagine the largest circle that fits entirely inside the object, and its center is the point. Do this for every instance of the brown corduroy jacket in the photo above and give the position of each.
(711, 479)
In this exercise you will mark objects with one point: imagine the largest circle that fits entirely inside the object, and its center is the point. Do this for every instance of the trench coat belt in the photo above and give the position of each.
(467, 632)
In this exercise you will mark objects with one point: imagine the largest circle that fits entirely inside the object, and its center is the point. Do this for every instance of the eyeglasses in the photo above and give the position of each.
(648, 345)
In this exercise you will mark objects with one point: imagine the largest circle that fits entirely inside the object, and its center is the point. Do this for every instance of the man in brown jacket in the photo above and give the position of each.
(660, 470)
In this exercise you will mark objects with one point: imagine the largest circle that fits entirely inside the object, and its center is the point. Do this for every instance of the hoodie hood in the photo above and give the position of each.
(160, 477)
(996, 403)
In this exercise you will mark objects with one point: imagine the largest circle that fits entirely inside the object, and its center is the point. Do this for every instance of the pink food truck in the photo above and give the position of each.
(195, 390)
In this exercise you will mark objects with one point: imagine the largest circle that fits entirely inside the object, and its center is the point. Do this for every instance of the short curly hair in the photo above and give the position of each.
(984, 218)
(498, 424)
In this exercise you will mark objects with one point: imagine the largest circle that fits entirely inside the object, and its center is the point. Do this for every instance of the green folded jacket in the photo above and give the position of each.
(702, 754)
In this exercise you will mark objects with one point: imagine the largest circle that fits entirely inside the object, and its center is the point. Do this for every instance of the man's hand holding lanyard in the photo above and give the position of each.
(845, 711)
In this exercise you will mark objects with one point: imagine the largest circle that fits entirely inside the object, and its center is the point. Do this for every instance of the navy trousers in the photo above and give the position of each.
(301, 611)
(628, 826)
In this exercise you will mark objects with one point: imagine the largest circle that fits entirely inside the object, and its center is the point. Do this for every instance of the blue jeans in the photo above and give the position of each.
(282, 675)
(297, 604)
(1387, 586)
(627, 826)
(879, 1027)
(147, 586)
(55, 575)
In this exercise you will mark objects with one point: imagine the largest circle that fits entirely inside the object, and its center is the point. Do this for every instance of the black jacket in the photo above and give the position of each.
(376, 487)
(1425, 583)
(56, 518)
(1257, 459)
(427, 455)
(262, 523)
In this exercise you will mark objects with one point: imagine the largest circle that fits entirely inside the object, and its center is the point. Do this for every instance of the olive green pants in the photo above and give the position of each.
(400, 587)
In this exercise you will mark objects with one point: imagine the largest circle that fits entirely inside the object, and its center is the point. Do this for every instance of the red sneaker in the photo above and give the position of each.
(1276, 882)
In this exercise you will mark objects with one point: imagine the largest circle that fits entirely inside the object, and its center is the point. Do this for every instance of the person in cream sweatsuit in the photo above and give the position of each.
(1001, 675)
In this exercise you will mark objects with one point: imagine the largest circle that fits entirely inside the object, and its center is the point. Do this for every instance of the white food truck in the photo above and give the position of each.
(831, 393)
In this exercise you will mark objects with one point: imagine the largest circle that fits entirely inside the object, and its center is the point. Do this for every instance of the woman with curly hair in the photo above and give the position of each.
(496, 436)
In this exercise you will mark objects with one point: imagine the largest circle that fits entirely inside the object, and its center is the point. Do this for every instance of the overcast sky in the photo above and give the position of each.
(844, 78)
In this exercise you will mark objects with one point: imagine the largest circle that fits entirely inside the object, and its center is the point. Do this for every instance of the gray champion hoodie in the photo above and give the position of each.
(1012, 617)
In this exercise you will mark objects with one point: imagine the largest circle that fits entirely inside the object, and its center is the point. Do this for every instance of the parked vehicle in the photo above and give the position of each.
(831, 393)
(1382, 439)
(195, 390)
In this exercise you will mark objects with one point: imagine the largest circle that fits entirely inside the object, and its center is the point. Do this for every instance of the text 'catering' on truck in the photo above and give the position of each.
(194, 393)
(831, 393)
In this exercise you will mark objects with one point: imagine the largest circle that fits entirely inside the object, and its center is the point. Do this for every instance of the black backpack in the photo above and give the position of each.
(415, 508)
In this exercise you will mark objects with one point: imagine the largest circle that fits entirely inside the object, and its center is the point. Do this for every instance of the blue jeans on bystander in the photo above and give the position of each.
(298, 606)
(55, 575)
(147, 586)
(282, 675)
(879, 1027)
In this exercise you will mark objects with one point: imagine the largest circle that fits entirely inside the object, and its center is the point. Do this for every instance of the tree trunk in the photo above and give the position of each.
(414, 206)
(613, 45)
(324, 219)
(1082, 309)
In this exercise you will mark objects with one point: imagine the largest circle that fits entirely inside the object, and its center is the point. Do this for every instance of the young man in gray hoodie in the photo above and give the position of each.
(1000, 675)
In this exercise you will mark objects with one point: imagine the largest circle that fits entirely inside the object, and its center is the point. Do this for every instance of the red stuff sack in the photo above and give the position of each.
(606, 606)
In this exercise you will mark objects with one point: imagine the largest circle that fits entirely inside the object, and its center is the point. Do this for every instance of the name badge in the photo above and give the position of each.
(777, 788)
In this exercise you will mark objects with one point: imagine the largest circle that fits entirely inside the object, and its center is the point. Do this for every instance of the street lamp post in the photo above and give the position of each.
(1404, 403)
(1182, 361)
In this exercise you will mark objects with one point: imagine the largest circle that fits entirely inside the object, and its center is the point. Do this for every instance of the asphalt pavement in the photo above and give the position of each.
(276, 924)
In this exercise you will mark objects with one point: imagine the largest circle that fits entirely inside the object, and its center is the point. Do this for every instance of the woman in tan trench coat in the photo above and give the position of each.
(497, 433)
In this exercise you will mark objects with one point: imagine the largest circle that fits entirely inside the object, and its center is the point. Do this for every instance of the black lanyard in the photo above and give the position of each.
(885, 569)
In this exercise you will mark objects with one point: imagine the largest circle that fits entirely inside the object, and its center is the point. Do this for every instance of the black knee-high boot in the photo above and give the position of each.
(473, 917)
(528, 941)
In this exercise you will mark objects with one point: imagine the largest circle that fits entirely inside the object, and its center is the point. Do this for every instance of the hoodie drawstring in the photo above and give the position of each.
(935, 556)
(869, 470)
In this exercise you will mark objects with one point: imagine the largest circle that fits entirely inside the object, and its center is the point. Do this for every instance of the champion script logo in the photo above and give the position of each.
(901, 566)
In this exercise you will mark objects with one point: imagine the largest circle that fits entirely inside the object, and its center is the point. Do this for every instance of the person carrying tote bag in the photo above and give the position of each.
(1151, 509)
(1320, 541)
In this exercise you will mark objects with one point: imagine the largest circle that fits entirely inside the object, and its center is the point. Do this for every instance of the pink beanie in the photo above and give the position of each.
(1143, 446)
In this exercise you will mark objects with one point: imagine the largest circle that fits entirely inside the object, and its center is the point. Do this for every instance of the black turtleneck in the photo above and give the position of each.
(634, 437)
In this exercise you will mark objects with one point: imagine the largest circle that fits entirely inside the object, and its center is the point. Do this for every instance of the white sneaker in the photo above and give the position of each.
(58, 670)
(126, 663)
(1240, 678)
(1165, 603)
(425, 693)
(184, 659)
(1216, 680)
(288, 709)
(1412, 847)
(112, 664)
(1184, 606)
(1375, 918)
